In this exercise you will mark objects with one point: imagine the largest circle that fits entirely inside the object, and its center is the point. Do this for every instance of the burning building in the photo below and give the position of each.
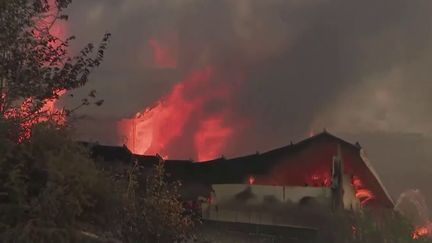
(292, 185)
(304, 164)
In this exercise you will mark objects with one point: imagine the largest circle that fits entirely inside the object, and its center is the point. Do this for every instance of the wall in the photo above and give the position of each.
(261, 204)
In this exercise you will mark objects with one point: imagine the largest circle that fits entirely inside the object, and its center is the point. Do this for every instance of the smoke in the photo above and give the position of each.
(412, 205)
(349, 66)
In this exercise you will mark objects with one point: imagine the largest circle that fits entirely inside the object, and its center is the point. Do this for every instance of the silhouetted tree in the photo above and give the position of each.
(35, 65)
(51, 189)
(155, 211)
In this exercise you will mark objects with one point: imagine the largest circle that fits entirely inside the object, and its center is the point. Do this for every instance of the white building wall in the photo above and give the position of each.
(225, 207)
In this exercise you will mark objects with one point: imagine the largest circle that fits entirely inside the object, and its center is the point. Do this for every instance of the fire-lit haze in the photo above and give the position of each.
(163, 55)
(193, 79)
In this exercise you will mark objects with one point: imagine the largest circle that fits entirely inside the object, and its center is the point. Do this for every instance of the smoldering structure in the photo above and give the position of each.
(300, 185)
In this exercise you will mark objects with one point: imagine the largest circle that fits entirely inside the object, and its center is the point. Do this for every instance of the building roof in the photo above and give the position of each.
(304, 163)
(109, 153)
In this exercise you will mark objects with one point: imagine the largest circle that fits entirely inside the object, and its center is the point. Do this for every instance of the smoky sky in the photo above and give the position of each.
(353, 67)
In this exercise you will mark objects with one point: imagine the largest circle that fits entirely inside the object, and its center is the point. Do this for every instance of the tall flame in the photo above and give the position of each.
(151, 130)
(156, 129)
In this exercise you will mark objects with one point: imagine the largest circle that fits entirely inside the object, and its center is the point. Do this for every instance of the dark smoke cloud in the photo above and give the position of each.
(357, 67)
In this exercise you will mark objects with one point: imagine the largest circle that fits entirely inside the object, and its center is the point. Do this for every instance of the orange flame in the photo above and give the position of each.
(364, 195)
(422, 231)
(155, 129)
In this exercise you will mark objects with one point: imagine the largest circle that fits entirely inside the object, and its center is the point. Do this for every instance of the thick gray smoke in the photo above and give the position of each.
(353, 67)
